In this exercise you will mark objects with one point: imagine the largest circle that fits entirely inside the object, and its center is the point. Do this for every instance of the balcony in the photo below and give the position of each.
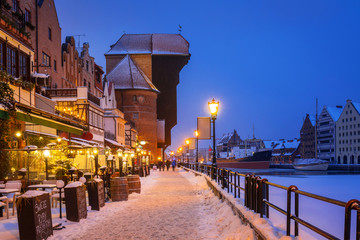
(93, 99)
(64, 92)
(14, 22)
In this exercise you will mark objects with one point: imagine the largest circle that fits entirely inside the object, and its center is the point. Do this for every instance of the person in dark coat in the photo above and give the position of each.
(173, 164)
(160, 163)
(163, 166)
(168, 164)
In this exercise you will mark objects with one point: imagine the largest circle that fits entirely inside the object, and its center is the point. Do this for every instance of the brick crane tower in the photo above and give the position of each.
(145, 71)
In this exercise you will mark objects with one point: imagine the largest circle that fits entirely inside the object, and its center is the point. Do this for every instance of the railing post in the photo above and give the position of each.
(254, 192)
(296, 224)
(288, 209)
(352, 204)
(239, 185)
(268, 199)
(235, 186)
(257, 196)
(247, 190)
(261, 196)
(222, 179)
(227, 180)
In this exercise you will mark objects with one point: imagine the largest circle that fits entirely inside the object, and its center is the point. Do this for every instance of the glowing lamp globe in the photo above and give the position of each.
(213, 107)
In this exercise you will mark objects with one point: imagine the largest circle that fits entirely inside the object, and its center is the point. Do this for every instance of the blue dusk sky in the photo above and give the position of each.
(265, 61)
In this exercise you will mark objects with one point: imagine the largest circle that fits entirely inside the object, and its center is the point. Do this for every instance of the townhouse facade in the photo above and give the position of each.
(307, 137)
(348, 134)
(326, 133)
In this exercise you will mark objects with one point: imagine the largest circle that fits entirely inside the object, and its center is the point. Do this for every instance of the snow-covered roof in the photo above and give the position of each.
(225, 138)
(270, 144)
(334, 112)
(356, 106)
(127, 75)
(288, 144)
(156, 44)
(312, 119)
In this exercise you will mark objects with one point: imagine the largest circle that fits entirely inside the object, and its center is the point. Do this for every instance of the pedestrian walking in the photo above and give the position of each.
(163, 166)
(173, 164)
(168, 164)
(160, 165)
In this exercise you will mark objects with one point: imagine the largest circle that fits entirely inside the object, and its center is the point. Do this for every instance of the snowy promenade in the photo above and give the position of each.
(172, 205)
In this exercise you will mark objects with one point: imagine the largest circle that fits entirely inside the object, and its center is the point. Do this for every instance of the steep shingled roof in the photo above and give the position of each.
(155, 44)
(127, 75)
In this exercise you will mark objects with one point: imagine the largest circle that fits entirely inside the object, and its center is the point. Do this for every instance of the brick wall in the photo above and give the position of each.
(142, 111)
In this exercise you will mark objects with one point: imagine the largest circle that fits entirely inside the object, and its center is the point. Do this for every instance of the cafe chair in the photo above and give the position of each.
(5, 203)
(55, 197)
(11, 197)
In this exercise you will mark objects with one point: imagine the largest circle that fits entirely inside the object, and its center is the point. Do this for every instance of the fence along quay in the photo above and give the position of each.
(256, 197)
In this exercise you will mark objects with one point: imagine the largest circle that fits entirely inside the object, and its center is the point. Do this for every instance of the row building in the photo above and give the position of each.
(337, 135)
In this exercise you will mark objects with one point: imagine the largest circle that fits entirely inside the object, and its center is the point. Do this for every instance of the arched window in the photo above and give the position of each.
(345, 160)
(358, 160)
(352, 159)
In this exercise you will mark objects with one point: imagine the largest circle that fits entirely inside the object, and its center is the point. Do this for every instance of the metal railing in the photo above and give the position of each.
(64, 92)
(256, 197)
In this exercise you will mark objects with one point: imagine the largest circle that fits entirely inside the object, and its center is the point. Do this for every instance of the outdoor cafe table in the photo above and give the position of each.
(6, 191)
(42, 186)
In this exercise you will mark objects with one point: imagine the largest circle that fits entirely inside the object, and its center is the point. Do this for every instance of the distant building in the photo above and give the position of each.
(307, 137)
(91, 73)
(41, 18)
(226, 142)
(286, 152)
(348, 134)
(326, 132)
(71, 64)
(114, 122)
(98, 80)
(231, 145)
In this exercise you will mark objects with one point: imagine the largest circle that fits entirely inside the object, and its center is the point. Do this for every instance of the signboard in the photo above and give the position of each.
(34, 215)
(204, 127)
(75, 202)
(96, 194)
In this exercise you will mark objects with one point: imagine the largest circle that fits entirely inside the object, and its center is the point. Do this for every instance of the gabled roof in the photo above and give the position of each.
(156, 44)
(356, 106)
(127, 75)
(334, 112)
(312, 119)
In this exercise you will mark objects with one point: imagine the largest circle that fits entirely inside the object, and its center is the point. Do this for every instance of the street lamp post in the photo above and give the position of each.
(46, 155)
(96, 157)
(214, 107)
(120, 155)
(187, 141)
(197, 148)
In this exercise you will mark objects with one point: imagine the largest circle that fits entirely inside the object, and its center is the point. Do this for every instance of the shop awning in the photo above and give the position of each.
(39, 75)
(41, 133)
(32, 118)
(113, 142)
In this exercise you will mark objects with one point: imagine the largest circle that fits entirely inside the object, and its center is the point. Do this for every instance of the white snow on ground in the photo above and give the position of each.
(172, 205)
